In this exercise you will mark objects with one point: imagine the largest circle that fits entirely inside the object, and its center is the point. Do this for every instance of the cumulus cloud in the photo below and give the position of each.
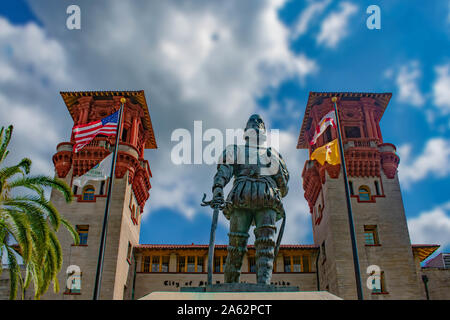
(196, 60)
(312, 11)
(433, 161)
(31, 65)
(431, 227)
(298, 218)
(334, 27)
(441, 88)
(407, 84)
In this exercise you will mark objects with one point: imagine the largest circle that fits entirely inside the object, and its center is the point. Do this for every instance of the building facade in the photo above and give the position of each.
(381, 231)
(131, 191)
(132, 270)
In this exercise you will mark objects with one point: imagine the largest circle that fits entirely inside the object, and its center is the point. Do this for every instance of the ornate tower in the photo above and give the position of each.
(380, 222)
(131, 190)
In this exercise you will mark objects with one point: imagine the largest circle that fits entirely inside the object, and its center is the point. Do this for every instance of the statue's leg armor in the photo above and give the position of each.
(240, 222)
(265, 232)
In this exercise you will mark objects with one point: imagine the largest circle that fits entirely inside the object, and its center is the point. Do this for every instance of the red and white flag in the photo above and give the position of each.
(83, 134)
(328, 120)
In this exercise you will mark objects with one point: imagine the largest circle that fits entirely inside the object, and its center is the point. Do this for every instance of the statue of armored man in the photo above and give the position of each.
(260, 182)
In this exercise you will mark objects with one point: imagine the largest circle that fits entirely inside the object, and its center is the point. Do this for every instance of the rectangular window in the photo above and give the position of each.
(378, 284)
(305, 262)
(200, 263)
(371, 235)
(191, 264)
(155, 264)
(327, 136)
(297, 264)
(350, 184)
(124, 135)
(75, 189)
(252, 264)
(73, 286)
(83, 234)
(102, 187)
(165, 264)
(377, 188)
(181, 264)
(146, 264)
(352, 132)
(287, 263)
(216, 264)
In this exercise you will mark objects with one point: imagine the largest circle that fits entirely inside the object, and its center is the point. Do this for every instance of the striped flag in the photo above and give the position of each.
(328, 120)
(83, 134)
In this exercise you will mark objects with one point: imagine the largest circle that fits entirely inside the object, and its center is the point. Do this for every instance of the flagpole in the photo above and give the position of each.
(101, 253)
(349, 207)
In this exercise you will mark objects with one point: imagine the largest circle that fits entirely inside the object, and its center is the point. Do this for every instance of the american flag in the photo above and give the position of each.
(83, 134)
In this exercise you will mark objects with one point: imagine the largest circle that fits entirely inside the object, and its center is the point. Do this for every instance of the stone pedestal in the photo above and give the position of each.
(299, 295)
(240, 287)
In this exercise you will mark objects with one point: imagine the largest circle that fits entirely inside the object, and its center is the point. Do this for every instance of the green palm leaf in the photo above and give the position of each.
(31, 221)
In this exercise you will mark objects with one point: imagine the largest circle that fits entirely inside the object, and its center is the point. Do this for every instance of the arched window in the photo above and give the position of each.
(88, 193)
(364, 193)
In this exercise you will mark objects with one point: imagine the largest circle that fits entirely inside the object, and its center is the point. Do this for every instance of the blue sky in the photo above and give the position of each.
(269, 56)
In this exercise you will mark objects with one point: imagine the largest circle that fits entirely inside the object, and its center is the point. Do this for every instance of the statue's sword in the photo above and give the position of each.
(216, 207)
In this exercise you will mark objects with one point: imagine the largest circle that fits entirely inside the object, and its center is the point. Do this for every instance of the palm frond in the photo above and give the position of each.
(44, 181)
(14, 273)
(72, 231)
(5, 142)
(19, 228)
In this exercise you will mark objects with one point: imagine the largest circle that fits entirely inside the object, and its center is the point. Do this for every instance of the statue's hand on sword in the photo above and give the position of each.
(217, 200)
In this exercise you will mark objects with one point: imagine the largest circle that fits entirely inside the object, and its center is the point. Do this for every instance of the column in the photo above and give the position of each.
(134, 131)
(173, 262)
(368, 118)
(279, 263)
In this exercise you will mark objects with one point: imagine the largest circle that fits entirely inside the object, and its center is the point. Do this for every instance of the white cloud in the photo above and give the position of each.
(298, 218)
(196, 60)
(431, 227)
(32, 65)
(28, 49)
(408, 88)
(312, 11)
(433, 161)
(334, 27)
(441, 88)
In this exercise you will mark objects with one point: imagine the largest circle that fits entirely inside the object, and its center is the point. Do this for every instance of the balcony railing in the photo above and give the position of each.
(360, 143)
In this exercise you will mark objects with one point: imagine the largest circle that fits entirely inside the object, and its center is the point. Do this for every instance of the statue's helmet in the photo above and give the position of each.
(255, 128)
(256, 123)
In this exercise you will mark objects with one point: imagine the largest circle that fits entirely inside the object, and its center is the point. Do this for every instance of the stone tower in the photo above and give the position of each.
(85, 213)
(380, 222)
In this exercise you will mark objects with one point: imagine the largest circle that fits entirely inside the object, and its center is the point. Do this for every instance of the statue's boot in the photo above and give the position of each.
(265, 248)
(236, 250)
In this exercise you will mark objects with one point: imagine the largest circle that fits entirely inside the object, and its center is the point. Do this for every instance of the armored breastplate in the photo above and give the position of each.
(248, 170)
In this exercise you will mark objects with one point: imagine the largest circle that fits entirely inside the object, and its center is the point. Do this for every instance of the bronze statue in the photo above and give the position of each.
(260, 182)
